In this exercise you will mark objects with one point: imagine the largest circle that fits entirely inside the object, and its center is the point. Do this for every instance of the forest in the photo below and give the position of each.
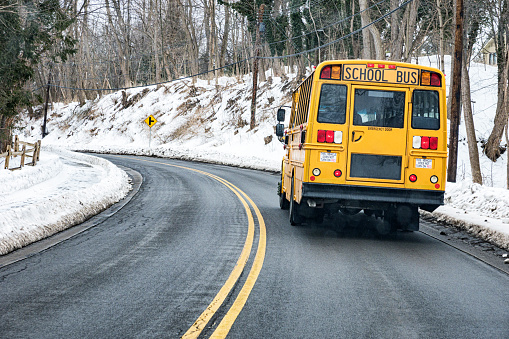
(76, 50)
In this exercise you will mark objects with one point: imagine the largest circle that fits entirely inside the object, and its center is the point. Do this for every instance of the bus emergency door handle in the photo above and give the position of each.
(359, 136)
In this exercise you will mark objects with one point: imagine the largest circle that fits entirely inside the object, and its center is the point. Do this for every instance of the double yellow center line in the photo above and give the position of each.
(226, 323)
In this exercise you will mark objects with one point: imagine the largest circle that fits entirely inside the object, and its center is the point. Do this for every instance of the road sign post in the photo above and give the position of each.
(150, 121)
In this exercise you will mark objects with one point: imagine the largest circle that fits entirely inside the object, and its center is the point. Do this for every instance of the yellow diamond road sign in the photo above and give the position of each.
(150, 121)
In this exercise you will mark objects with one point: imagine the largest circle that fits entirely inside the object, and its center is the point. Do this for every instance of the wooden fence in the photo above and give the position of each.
(27, 150)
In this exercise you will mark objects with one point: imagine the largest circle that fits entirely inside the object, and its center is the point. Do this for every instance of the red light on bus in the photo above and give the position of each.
(424, 142)
(321, 136)
(381, 66)
(437, 186)
(433, 142)
(329, 136)
(431, 79)
(412, 177)
(392, 66)
(435, 79)
(337, 173)
(326, 72)
(371, 65)
(312, 178)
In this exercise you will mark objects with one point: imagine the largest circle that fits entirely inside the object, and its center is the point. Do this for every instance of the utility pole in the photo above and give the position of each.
(255, 66)
(46, 106)
(456, 95)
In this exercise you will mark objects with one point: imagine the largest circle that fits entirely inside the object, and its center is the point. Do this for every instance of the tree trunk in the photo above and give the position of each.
(395, 22)
(121, 38)
(410, 29)
(456, 98)
(492, 146)
(366, 38)
(440, 37)
(224, 44)
(473, 151)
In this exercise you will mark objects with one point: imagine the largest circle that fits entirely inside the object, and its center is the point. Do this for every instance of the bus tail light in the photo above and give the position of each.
(433, 142)
(419, 142)
(337, 173)
(331, 72)
(424, 142)
(412, 177)
(435, 79)
(431, 79)
(331, 137)
(321, 135)
(326, 71)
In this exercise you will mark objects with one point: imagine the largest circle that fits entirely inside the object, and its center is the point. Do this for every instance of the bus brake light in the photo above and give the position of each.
(430, 79)
(331, 137)
(435, 79)
(425, 142)
(433, 142)
(321, 136)
(326, 72)
(331, 72)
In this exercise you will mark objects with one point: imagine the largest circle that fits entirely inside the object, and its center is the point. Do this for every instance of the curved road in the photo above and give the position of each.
(163, 263)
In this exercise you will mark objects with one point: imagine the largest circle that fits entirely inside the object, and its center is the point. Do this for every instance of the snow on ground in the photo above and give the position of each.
(209, 121)
(64, 189)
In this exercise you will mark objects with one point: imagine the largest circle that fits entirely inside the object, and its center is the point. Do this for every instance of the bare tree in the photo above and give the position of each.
(492, 147)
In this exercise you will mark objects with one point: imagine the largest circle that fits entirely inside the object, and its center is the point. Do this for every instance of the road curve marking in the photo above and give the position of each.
(225, 325)
(227, 322)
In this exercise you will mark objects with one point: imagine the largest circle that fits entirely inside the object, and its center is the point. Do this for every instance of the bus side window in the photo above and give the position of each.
(425, 110)
(332, 106)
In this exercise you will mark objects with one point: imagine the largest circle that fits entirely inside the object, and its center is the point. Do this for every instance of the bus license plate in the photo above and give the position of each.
(424, 163)
(328, 157)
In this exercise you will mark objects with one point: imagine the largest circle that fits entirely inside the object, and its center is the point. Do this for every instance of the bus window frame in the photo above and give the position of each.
(438, 109)
(399, 89)
(320, 101)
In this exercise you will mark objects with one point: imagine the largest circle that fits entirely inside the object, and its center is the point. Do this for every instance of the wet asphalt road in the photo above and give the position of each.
(152, 268)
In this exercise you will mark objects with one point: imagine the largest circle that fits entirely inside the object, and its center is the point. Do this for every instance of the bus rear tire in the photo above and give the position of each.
(295, 217)
(283, 203)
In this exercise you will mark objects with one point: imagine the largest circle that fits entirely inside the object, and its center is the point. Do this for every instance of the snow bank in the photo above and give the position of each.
(62, 190)
(480, 210)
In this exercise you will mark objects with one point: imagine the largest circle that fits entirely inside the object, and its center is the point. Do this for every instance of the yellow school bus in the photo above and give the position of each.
(365, 135)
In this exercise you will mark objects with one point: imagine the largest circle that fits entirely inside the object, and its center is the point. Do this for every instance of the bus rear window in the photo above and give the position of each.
(332, 107)
(425, 110)
(379, 108)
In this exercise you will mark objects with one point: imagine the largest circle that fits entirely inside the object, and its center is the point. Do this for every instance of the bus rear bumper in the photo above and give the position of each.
(373, 197)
